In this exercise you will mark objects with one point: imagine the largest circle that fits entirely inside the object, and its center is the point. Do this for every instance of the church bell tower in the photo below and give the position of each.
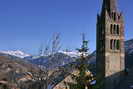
(110, 62)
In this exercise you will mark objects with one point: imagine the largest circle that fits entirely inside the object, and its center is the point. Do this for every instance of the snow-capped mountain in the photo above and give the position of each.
(51, 61)
(71, 53)
(16, 53)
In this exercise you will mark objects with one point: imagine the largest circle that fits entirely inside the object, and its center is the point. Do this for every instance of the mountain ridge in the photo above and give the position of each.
(17, 53)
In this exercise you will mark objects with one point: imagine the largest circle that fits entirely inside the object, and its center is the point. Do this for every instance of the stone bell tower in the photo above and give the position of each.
(110, 46)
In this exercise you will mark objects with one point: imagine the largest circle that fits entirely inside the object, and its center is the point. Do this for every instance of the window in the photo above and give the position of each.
(111, 28)
(111, 44)
(118, 44)
(119, 17)
(118, 31)
(114, 16)
(114, 29)
(114, 44)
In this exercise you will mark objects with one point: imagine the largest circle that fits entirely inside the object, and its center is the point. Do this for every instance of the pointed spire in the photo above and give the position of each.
(110, 5)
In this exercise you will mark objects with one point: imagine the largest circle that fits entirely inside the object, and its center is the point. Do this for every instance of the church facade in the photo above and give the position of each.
(110, 62)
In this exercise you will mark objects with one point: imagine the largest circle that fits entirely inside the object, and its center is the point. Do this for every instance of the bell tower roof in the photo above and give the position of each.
(109, 5)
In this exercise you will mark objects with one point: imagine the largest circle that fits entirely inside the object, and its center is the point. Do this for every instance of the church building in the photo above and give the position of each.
(110, 55)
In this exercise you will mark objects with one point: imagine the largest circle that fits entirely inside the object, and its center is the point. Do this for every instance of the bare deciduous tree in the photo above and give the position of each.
(41, 50)
(46, 50)
(56, 43)
(52, 47)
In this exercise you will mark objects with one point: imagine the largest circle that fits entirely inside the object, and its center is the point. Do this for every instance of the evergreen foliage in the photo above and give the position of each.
(83, 79)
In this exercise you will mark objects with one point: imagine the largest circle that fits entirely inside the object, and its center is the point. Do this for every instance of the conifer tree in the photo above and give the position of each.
(82, 80)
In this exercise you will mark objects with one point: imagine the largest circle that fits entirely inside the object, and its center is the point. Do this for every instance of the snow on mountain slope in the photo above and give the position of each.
(16, 53)
(52, 61)
(71, 53)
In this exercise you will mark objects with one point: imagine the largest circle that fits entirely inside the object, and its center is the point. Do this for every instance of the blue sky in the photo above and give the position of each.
(26, 24)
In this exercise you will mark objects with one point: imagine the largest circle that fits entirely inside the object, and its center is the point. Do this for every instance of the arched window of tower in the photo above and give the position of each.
(114, 29)
(118, 44)
(119, 17)
(111, 44)
(114, 16)
(118, 31)
(111, 28)
(114, 45)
